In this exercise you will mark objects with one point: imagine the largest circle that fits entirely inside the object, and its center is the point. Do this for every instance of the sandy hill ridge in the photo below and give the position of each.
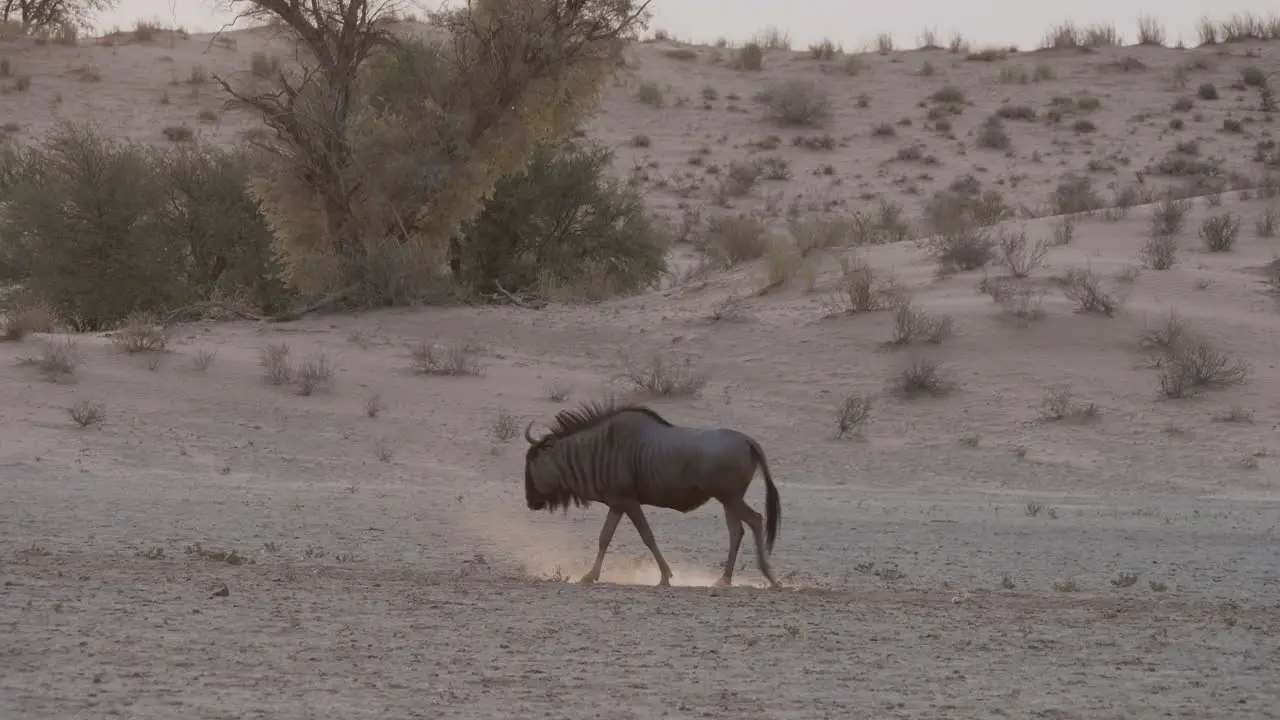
(1040, 530)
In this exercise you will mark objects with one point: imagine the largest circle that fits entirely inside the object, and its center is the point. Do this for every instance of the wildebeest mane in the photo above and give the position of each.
(591, 413)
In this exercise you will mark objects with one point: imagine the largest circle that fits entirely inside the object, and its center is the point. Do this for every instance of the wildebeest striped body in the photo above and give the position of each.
(628, 456)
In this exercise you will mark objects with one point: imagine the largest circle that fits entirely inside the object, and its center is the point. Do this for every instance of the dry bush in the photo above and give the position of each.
(749, 57)
(1075, 194)
(964, 207)
(650, 94)
(86, 412)
(1019, 254)
(1159, 252)
(992, 135)
(1218, 232)
(141, 332)
(911, 323)
(1236, 414)
(1192, 364)
(825, 50)
(661, 377)
(23, 317)
(452, 359)
(921, 376)
(782, 260)
(204, 358)
(683, 54)
(960, 249)
(1082, 287)
(312, 374)
(812, 234)
(852, 413)
(504, 427)
(798, 103)
(1265, 225)
(1017, 300)
(1059, 405)
(56, 358)
(1168, 332)
(859, 289)
(276, 367)
(736, 239)
(1169, 215)
(1150, 31)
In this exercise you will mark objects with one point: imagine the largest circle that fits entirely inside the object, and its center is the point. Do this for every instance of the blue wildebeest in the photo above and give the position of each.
(626, 456)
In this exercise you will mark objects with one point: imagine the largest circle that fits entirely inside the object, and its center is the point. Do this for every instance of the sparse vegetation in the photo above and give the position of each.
(1020, 255)
(911, 324)
(450, 359)
(852, 413)
(1083, 287)
(663, 377)
(1191, 364)
(57, 358)
(800, 103)
(1218, 232)
(85, 412)
(922, 376)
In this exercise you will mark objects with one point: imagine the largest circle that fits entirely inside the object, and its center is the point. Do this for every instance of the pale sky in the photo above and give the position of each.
(1018, 22)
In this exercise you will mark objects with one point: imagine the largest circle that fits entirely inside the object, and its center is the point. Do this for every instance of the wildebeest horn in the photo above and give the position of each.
(527, 436)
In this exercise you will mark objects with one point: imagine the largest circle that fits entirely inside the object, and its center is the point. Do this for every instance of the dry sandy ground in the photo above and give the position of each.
(964, 558)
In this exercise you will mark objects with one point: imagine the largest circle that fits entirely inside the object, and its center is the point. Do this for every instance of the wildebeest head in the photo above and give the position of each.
(537, 460)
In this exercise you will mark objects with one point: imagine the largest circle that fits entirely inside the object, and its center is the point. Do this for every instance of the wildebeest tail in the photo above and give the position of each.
(772, 505)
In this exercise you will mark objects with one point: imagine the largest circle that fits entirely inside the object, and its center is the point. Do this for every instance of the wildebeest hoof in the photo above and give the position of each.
(721, 581)
(664, 582)
(587, 579)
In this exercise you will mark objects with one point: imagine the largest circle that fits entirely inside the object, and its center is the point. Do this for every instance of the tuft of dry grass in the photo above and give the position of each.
(559, 391)
(960, 248)
(859, 289)
(204, 358)
(455, 359)
(1058, 404)
(852, 414)
(22, 319)
(1150, 31)
(798, 103)
(141, 332)
(314, 373)
(749, 57)
(57, 358)
(661, 377)
(504, 427)
(274, 360)
(85, 412)
(373, 405)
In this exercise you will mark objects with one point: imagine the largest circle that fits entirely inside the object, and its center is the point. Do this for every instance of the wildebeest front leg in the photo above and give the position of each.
(735, 540)
(606, 537)
(642, 526)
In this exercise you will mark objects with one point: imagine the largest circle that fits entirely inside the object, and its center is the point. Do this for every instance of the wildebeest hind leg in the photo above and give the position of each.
(642, 526)
(755, 522)
(606, 537)
(736, 532)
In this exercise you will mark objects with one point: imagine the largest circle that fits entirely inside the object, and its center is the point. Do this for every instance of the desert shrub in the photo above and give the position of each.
(1168, 215)
(168, 227)
(992, 134)
(1159, 252)
(851, 414)
(85, 412)
(1058, 404)
(960, 249)
(56, 358)
(735, 239)
(750, 57)
(859, 289)
(963, 208)
(911, 323)
(1083, 288)
(664, 377)
(798, 102)
(1265, 225)
(920, 376)
(1075, 194)
(459, 359)
(1192, 364)
(1218, 232)
(1020, 254)
(562, 227)
(141, 332)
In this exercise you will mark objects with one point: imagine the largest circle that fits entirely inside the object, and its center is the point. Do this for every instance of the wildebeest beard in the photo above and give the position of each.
(561, 498)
